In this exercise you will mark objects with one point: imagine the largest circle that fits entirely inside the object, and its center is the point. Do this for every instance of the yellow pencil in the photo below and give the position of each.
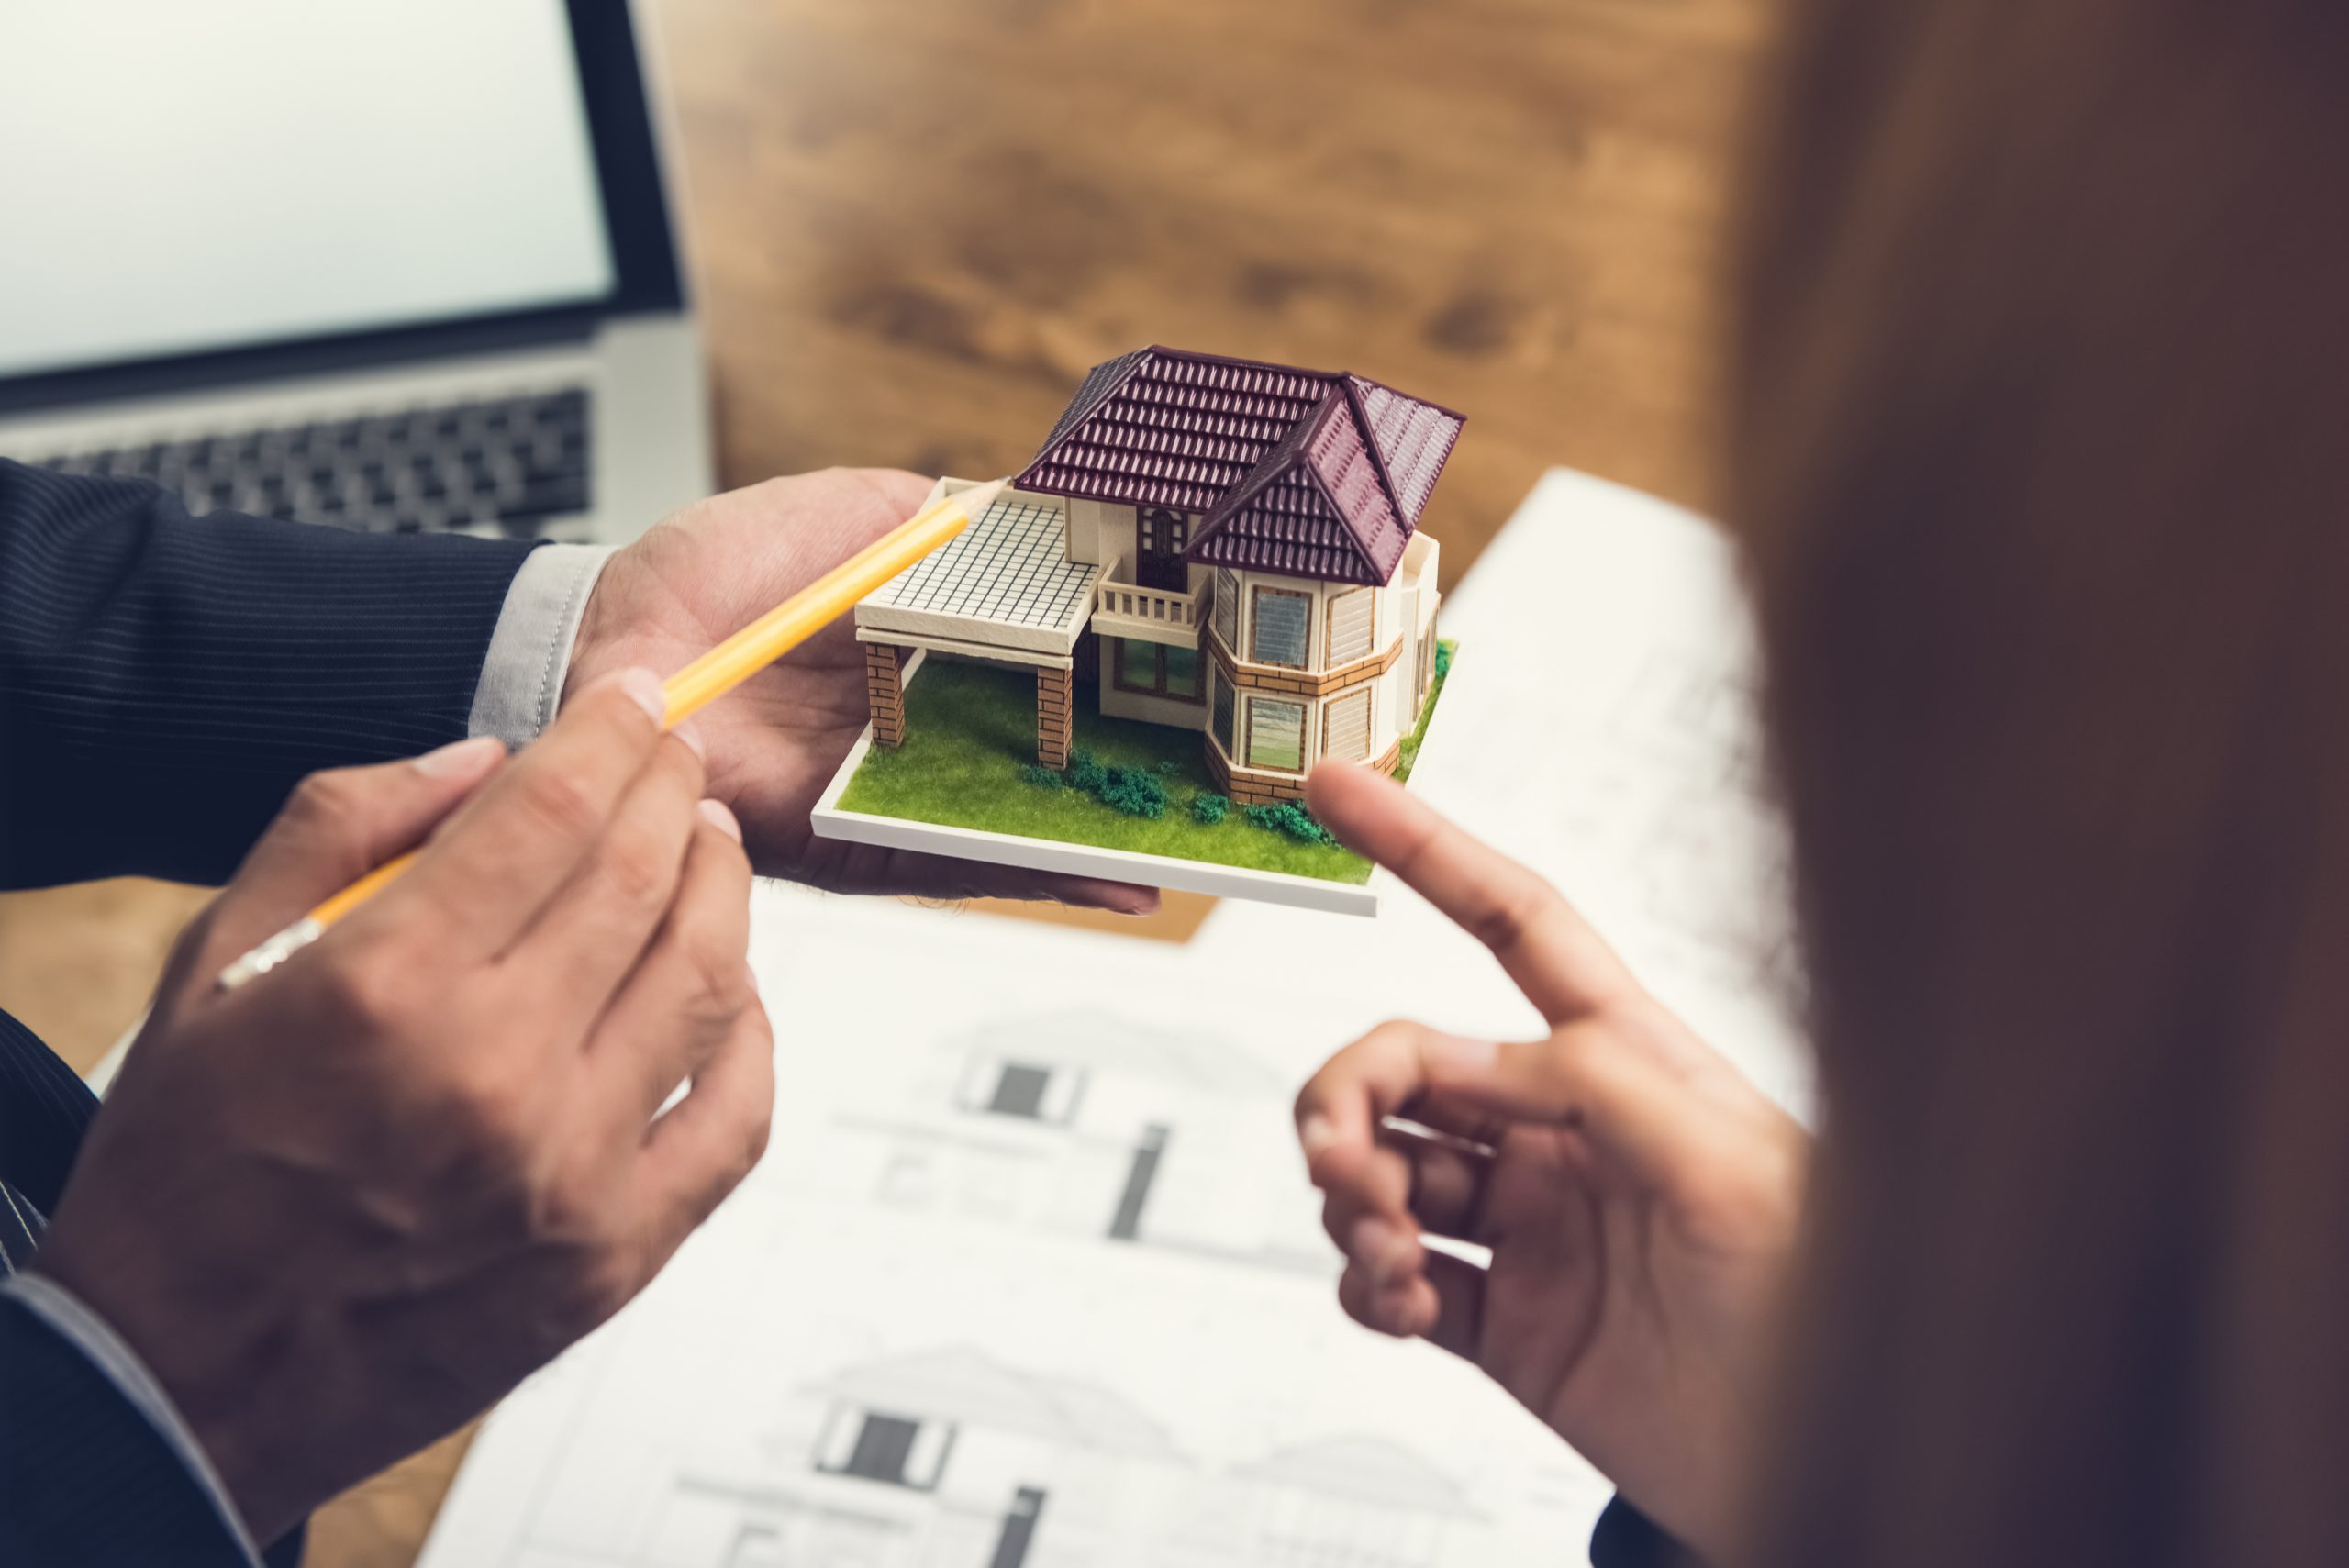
(696, 686)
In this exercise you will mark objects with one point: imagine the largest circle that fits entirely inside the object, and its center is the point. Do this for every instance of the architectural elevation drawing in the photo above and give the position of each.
(1353, 1500)
(942, 1457)
(1086, 1121)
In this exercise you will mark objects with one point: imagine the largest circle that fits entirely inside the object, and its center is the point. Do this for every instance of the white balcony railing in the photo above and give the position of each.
(1153, 615)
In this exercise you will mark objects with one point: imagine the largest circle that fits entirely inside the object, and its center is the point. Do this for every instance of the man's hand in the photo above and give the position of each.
(345, 1208)
(775, 742)
(1641, 1207)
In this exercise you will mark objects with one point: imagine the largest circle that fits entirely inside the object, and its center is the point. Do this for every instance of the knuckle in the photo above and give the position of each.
(601, 1276)
(489, 1104)
(1354, 1296)
(326, 801)
(683, 761)
(728, 852)
(565, 1205)
(758, 1124)
(1393, 1034)
(1757, 1180)
(1523, 906)
(714, 953)
(190, 948)
(557, 805)
(1574, 1066)
(1569, 1051)
(636, 867)
(755, 1137)
(373, 990)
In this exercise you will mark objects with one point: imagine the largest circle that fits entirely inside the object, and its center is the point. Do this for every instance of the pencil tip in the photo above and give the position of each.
(979, 498)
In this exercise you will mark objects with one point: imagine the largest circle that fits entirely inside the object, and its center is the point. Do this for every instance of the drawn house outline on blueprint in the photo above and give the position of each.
(1082, 1120)
(1351, 1500)
(942, 1458)
(1040, 1070)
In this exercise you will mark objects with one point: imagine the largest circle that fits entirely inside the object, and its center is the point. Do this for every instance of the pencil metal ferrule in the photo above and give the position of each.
(272, 953)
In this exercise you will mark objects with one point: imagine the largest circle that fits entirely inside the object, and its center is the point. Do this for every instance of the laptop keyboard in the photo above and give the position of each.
(507, 466)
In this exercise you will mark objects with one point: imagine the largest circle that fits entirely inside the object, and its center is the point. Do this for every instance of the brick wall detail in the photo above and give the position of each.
(884, 687)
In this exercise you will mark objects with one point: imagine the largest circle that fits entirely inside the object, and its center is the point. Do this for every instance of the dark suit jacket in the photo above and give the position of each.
(164, 681)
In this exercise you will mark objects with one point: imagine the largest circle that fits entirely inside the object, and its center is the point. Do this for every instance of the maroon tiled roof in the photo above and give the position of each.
(1299, 471)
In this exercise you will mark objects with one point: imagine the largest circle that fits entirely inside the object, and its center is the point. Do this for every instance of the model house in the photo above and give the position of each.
(1224, 545)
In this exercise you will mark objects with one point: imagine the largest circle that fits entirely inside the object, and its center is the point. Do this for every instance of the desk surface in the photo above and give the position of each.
(916, 223)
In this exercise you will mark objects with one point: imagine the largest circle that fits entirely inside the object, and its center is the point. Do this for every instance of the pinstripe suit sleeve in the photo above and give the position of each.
(88, 1478)
(164, 679)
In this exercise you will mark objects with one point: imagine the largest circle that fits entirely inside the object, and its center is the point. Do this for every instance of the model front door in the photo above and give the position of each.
(1164, 535)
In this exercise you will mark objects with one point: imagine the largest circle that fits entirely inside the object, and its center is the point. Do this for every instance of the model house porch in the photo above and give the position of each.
(1022, 586)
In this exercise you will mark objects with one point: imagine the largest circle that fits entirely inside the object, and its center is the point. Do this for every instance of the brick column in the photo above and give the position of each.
(885, 687)
(1055, 716)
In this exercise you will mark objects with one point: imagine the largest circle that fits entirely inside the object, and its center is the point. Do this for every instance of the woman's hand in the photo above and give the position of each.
(1640, 1200)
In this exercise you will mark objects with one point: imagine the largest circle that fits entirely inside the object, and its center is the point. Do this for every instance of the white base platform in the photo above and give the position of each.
(1078, 859)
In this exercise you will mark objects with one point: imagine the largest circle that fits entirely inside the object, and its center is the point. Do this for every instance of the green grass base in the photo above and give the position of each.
(970, 727)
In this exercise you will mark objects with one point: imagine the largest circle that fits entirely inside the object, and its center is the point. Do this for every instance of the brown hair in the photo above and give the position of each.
(2041, 448)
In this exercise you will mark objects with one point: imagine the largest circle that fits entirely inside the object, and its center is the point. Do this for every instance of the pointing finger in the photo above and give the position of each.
(1551, 952)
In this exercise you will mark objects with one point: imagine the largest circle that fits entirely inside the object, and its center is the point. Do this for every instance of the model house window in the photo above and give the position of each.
(1351, 616)
(1227, 608)
(898, 1451)
(1426, 662)
(1137, 665)
(1345, 732)
(1154, 668)
(1276, 735)
(1277, 622)
(1180, 666)
(1219, 714)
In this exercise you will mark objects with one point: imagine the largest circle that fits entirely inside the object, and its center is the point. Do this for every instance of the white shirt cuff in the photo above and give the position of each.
(522, 678)
(119, 1364)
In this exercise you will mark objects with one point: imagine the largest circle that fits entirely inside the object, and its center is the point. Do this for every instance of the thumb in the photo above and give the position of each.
(1632, 1109)
(334, 827)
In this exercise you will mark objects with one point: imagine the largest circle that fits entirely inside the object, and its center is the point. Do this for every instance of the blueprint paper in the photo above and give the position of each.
(1031, 1278)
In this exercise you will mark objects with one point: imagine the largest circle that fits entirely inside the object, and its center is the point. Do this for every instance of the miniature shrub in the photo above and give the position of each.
(1085, 774)
(1041, 776)
(1443, 660)
(1292, 819)
(1133, 791)
(1207, 809)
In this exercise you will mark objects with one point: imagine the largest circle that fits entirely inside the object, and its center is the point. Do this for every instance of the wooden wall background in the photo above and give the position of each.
(916, 223)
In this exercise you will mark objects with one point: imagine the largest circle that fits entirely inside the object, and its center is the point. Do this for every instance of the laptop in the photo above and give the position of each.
(403, 268)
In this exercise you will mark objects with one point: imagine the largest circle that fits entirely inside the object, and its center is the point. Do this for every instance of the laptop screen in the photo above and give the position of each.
(183, 178)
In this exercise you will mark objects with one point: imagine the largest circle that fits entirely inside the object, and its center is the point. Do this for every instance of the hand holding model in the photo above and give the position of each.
(1641, 1204)
(342, 1209)
(776, 741)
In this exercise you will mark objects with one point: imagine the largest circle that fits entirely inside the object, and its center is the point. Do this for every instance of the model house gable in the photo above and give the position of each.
(1315, 506)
